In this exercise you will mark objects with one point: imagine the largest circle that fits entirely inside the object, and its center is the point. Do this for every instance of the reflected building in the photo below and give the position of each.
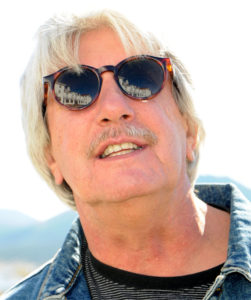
(66, 96)
(133, 89)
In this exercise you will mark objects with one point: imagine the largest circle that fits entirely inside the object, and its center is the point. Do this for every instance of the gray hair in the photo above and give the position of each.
(57, 45)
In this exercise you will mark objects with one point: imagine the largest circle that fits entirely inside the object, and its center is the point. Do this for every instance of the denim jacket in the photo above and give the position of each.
(63, 277)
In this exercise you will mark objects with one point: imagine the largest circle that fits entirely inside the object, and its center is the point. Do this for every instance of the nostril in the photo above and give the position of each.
(125, 117)
(105, 120)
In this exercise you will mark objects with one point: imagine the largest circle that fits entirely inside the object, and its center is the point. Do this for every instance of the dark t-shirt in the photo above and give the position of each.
(108, 283)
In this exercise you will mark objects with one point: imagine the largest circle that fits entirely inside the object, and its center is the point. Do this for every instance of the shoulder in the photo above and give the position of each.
(30, 287)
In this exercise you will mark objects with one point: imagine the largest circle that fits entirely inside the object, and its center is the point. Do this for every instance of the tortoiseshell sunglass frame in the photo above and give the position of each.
(49, 80)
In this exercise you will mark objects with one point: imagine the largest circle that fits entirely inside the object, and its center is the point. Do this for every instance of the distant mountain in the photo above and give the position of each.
(14, 218)
(11, 220)
(36, 242)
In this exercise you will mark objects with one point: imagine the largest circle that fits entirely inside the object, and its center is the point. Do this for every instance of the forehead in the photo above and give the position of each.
(101, 47)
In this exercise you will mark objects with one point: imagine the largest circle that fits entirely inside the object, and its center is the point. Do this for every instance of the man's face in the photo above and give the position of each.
(154, 168)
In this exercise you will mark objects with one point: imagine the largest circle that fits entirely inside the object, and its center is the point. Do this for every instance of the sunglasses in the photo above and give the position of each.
(139, 77)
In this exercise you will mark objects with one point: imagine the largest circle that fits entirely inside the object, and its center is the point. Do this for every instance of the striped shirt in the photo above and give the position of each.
(106, 282)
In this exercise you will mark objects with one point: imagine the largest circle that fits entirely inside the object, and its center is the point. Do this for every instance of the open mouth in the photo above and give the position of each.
(119, 149)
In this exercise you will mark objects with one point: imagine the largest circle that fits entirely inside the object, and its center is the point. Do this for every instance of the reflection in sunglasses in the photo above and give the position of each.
(66, 96)
(133, 90)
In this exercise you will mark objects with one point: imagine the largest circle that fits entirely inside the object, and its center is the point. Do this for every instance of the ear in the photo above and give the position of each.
(191, 139)
(53, 166)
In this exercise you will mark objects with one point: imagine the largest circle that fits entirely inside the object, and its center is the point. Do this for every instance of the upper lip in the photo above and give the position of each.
(116, 141)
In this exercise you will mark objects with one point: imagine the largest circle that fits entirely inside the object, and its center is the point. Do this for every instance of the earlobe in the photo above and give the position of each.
(190, 154)
(53, 166)
(191, 142)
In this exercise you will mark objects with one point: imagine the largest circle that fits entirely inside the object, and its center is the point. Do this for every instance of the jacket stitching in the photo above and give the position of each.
(45, 281)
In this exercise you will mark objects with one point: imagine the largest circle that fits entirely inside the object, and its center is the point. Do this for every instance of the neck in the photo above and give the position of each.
(154, 235)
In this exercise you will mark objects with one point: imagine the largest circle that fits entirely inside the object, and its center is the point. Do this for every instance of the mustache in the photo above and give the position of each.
(127, 130)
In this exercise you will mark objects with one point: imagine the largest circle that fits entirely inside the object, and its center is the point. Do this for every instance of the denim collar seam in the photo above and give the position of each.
(67, 288)
(45, 281)
(229, 270)
(222, 277)
(217, 284)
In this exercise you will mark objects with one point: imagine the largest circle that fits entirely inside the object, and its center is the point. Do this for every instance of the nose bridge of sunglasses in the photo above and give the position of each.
(108, 68)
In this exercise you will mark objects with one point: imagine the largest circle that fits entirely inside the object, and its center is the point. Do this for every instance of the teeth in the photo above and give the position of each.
(119, 149)
(121, 152)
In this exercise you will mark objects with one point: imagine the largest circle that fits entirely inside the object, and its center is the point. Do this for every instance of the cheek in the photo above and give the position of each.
(67, 131)
(172, 148)
(69, 148)
(75, 168)
(170, 128)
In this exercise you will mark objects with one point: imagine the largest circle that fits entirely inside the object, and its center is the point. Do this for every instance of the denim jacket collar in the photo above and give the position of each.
(232, 200)
(66, 267)
(239, 246)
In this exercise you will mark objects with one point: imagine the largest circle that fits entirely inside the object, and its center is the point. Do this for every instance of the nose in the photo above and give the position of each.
(112, 105)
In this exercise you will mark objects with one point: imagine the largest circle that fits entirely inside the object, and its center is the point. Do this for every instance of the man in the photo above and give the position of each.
(113, 130)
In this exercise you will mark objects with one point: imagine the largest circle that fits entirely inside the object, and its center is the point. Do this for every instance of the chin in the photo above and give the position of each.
(120, 193)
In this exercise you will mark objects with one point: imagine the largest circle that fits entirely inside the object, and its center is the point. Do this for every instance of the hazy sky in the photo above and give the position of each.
(211, 37)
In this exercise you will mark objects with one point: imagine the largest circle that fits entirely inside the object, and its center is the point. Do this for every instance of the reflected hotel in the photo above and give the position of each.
(66, 96)
(133, 89)
(63, 92)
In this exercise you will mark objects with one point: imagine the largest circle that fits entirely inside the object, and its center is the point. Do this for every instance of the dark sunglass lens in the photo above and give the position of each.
(76, 90)
(141, 78)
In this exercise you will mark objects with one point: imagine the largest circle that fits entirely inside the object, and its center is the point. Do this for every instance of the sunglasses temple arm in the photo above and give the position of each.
(170, 69)
(47, 82)
(169, 66)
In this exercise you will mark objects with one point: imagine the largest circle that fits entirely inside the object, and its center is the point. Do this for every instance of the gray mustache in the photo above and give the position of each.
(128, 130)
